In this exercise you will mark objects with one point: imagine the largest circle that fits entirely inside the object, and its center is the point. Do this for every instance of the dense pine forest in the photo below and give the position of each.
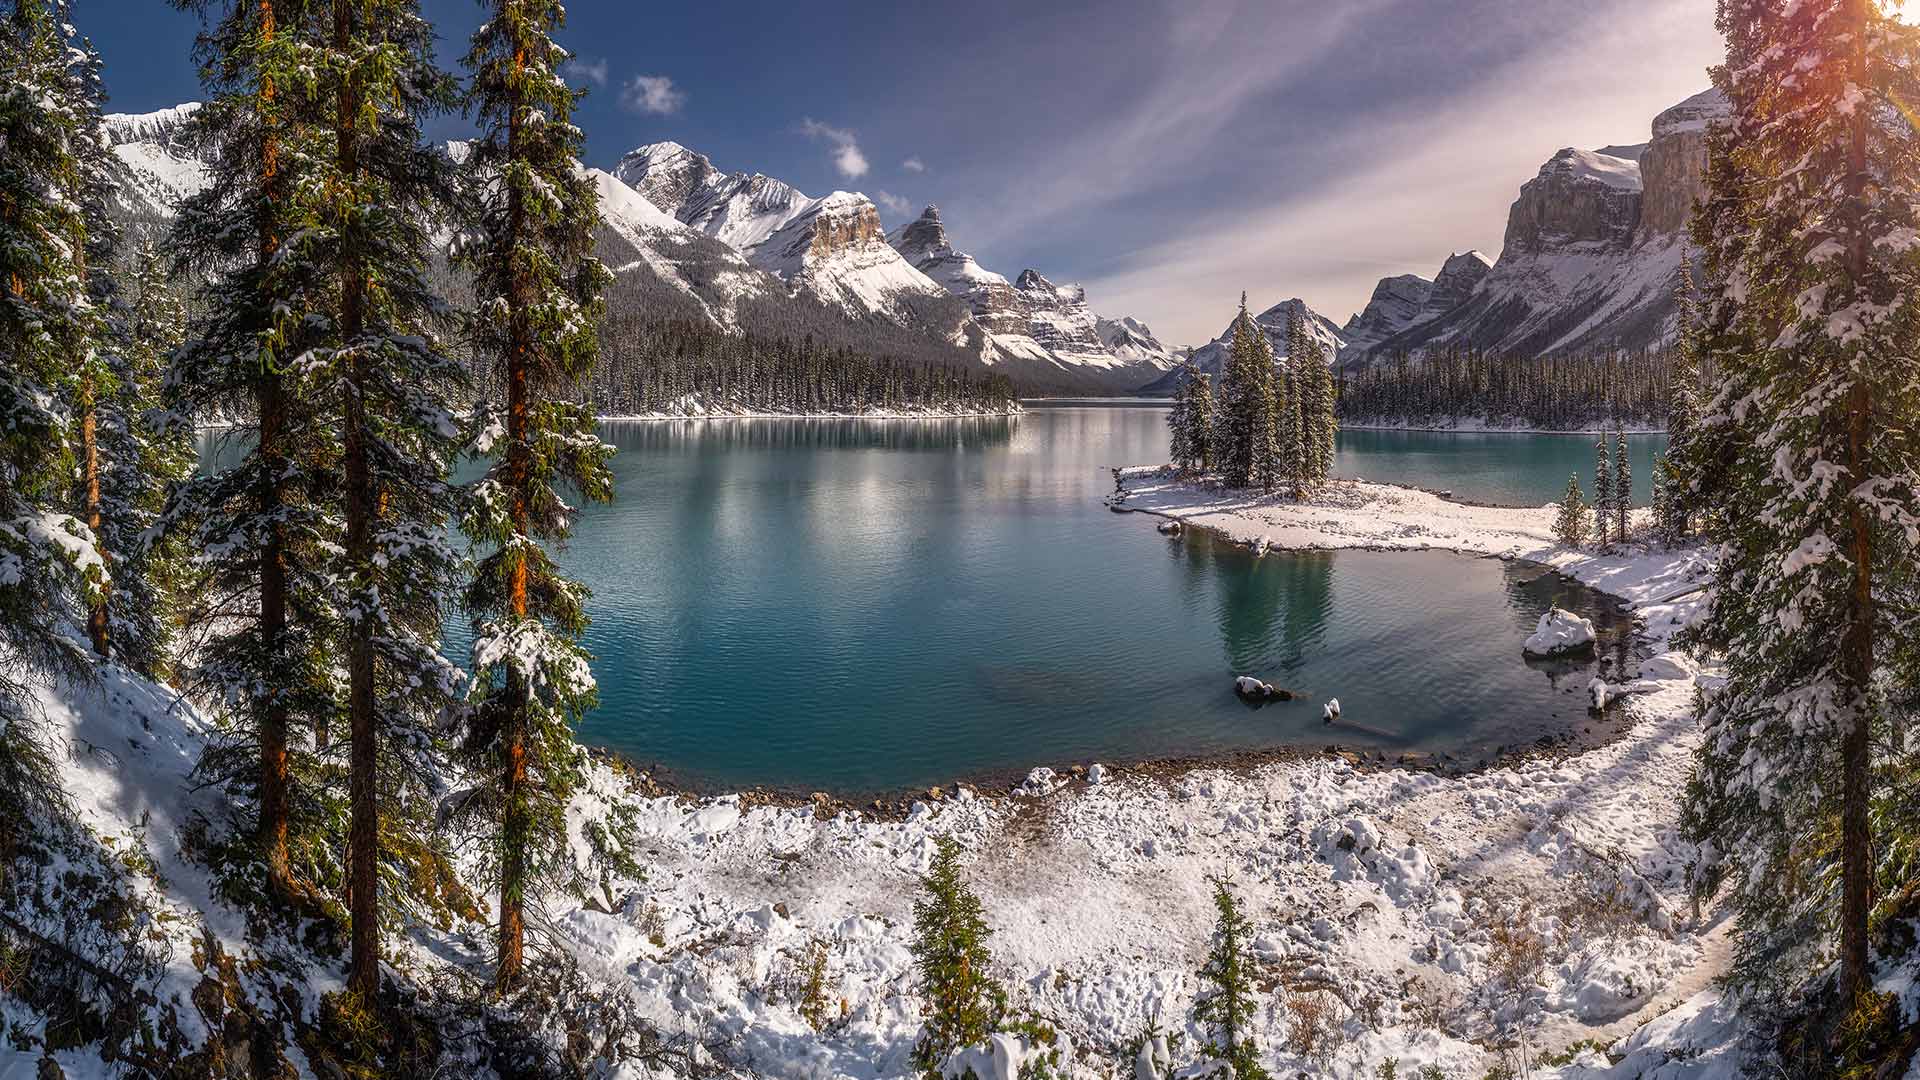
(1556, 393)
(651, 366)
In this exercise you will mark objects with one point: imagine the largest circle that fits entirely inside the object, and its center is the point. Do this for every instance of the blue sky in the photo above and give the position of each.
(1168, 153)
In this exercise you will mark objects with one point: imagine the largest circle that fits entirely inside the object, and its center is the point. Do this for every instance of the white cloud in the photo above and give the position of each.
(846, 148)
(893, 202)
(580, 69)
(914, 164)
(654, 94)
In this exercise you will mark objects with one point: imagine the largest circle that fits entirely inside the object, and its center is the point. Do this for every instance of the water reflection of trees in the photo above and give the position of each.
(830, 433)
(1273, 610)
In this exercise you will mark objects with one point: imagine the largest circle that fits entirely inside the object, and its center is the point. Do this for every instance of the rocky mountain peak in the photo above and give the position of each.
(665, 172)
(1675, 164)
(1395, 304)
(922, 237)
(1578, 197)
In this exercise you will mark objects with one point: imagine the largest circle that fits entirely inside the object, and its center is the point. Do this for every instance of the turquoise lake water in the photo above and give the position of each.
(865, 606)
(873, 605)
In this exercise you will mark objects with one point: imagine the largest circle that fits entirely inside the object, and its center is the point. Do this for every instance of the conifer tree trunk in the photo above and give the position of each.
(1856, 835)
(515, 826)
(97, 629)
(363, 831)
(271, 406)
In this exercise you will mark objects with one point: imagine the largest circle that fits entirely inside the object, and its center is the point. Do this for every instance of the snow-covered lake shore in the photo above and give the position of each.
(1380, 889)
(1376, 893)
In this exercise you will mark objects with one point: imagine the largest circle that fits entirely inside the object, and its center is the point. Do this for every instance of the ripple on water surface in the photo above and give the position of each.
(862, 605)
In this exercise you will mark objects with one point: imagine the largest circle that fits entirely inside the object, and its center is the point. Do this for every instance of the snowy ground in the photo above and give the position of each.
(1379, 891)
(1380, 898)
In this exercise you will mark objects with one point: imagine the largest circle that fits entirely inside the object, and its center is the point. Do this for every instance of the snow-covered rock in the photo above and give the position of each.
(1559, 632)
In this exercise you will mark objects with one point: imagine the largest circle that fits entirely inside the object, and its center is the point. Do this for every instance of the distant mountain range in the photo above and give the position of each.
(1592, 253)
(1591, 259)
(747, 251)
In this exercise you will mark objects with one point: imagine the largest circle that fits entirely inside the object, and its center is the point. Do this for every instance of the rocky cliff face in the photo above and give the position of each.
(1673, 169)
(1458, 277)
(1593, 246)
(1396, 304)
(1578, 197)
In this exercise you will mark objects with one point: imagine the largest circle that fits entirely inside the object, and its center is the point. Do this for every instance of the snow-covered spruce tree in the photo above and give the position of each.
(1602, 492)
(1570, 527)
(142, 459)
(1622, 485)
(962, 1001)
(1200, 419)
(537, 293)
(1319, 427)
(1180, 422)
(1289, 425)
(1815, 256)
(1683, 403)
(387, 386)
(261, 526)
(1240, 421)
(49, 569)
(93, 381)
(1225, 1004)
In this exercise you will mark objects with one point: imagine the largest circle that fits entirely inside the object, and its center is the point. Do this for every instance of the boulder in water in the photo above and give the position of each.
(1559, 633)
(1170, 528)
(1253, 689)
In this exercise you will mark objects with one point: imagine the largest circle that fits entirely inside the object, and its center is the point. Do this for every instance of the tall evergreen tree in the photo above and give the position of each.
(1811, 223)
(142, 460)
(387, 386)
(1570, 526)
(1225, 1004)
(1289, 427)
(1602, 492)
(1622, 485)
(1200, 420)
(263, 528)
(1180, 420)
(1314, 402)
(49, 567)
(537, 290)
(1243, 423)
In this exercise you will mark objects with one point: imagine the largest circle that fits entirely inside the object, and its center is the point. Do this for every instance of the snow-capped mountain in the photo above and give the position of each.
(159, 169)
(1593, 249)
(1031, 323)
(832, 247)
(1211, 358)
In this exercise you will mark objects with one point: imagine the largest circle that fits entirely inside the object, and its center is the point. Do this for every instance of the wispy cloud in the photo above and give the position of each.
(1413, 185)
(582, 70)
(893, 202)
(914, 164)
(846, 147)
(652, 94)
